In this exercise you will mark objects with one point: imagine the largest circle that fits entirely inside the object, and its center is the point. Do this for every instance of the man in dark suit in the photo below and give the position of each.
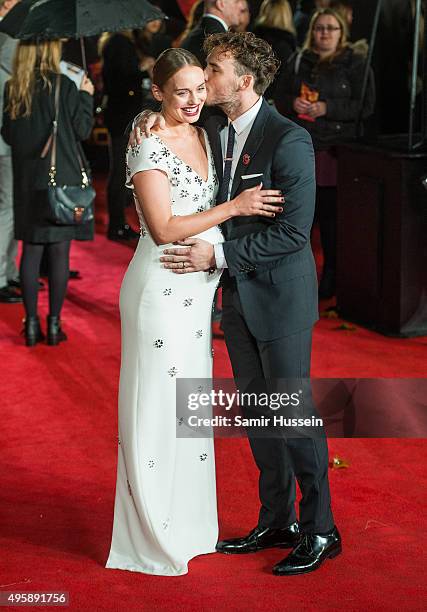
(269, 291)
(219, 15)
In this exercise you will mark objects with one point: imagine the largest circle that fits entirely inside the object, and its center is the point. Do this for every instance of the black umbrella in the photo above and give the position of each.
(53, 19)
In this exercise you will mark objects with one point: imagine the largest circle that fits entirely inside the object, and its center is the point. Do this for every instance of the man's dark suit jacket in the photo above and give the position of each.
(270, 260)
(195, 39)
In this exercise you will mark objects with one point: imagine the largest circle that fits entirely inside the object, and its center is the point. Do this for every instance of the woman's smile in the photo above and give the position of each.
(191, 111)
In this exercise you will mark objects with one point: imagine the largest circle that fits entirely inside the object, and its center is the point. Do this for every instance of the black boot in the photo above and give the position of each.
(55, 335)
(32, 331)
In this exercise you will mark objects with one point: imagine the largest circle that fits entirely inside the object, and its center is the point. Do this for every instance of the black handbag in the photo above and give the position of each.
(67, 204)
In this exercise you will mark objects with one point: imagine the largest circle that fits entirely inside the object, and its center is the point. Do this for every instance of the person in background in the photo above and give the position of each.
(29, 108)
(72, 53)
(194, 17)
(245, 18)
(176, 22)
(320, 88)
(9, 277)
(303, 13)
(152, 39)
(343, 8)
(275, 25)
(123, 71)
(219, 16)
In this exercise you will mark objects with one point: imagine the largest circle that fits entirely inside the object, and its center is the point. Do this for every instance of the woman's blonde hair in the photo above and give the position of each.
(342, 43)
(31, 60)
(276, 14)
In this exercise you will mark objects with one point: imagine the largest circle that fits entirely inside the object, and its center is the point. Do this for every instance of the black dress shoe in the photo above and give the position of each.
(310, 553)
(125, 232)
(9, 296)
(261, 538)
(32, 331)
(55, 335)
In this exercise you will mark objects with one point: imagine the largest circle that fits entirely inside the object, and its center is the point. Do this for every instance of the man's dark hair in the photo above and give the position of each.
(252, 55)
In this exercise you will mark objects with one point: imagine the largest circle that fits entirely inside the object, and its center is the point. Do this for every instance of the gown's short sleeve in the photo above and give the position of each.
(151, 154)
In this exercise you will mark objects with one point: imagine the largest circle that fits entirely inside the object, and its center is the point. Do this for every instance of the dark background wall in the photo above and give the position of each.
(391, 60)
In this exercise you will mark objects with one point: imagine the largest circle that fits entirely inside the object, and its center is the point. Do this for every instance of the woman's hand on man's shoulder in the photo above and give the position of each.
(143, 124)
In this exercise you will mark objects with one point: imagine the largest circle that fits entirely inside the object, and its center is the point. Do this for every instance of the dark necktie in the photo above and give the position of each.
(225, 183)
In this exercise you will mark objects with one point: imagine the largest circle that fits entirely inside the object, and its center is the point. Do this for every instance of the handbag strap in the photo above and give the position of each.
(51, 142)
(55, 127)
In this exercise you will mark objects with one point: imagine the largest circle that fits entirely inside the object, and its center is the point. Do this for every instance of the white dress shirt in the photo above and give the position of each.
(242, 126)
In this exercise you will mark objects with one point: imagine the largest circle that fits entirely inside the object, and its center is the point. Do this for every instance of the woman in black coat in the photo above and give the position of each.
(275, 25)
(29, 110)
(333, 71)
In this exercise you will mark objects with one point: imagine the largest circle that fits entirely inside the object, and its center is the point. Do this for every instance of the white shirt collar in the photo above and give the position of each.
(222, 22)
(242, 122)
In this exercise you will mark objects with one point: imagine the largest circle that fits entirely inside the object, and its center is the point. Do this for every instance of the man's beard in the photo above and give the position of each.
(229, 104)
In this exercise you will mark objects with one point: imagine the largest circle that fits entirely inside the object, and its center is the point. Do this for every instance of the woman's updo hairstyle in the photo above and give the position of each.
(169, 62)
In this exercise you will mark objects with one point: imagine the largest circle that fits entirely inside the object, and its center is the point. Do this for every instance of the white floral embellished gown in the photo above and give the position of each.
(165, 507)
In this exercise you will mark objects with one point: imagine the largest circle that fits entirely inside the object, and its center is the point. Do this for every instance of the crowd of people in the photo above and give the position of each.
(318, 85)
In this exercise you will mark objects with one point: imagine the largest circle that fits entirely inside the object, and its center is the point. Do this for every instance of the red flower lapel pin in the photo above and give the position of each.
(246, 159)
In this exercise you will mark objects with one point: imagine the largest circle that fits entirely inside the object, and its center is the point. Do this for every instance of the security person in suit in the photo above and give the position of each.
(219, 15)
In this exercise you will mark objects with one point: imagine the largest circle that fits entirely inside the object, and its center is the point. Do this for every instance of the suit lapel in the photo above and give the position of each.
(251, 146)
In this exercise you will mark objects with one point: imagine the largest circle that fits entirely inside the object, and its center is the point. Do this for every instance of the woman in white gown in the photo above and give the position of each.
(165, 507)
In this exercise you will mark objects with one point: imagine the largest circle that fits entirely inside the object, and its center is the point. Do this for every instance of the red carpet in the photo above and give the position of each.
(58, 448)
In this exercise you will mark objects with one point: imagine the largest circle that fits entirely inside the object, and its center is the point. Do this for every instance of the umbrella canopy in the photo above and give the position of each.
(52, 19)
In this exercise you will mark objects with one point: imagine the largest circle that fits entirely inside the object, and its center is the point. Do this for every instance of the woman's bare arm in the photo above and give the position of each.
(153, 192)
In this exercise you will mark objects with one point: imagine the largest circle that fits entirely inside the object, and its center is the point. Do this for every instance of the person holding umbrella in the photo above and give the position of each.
(29, 108)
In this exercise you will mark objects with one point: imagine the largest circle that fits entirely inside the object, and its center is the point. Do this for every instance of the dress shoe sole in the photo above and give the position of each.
(254, 550)
(334, 553)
